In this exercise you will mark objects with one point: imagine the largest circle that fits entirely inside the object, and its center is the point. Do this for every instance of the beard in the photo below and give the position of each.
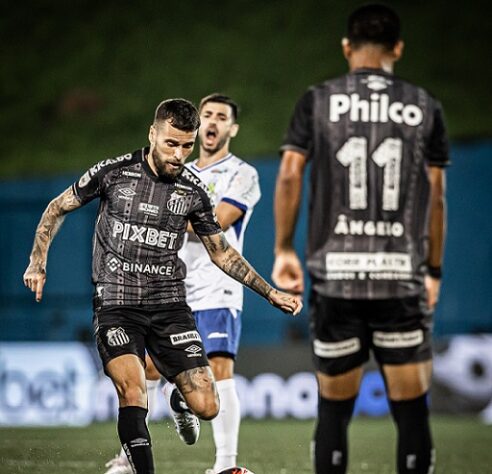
(160, 165)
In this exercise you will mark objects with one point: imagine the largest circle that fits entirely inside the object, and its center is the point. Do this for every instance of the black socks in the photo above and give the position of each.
(177, 403)
(331, 451)
(415, 453)
(135, 439)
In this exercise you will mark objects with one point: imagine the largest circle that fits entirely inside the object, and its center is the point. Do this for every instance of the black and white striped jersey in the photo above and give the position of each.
(140, 227)
(370, 137)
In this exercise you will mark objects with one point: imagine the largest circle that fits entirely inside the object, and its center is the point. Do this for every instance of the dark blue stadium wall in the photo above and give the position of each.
(65, 313)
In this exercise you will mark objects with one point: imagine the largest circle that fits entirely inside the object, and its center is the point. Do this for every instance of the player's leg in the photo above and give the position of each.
(178, 354)
(408, 386)
(225, 426)
(120, 338)
(120, 464)
(198, 389)
(153, 380)
(128, 375)
(340, 348)
(401, 342)
(220, 330)
(337, 395)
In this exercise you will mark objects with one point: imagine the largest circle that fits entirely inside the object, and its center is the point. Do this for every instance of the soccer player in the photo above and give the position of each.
(215, 299)
(147, 199)
(377, 147)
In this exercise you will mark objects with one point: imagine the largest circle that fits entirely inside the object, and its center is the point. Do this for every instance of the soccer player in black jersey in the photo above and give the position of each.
(377, 147)
(147, 199)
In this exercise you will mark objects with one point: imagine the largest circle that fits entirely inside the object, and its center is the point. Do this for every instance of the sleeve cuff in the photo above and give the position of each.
(289, 147)
(237, 204)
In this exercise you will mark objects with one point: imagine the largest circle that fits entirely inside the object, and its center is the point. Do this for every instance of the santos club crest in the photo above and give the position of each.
(180, 203)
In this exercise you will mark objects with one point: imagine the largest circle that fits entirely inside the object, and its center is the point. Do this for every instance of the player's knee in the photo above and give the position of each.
(407, 382)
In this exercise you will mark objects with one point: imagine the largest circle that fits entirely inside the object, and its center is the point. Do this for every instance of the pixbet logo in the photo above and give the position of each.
(145, 235)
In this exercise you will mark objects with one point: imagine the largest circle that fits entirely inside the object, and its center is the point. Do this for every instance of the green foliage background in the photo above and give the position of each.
(80, 79)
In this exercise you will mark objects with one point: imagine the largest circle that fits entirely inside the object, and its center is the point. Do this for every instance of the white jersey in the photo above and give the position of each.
(236, 182)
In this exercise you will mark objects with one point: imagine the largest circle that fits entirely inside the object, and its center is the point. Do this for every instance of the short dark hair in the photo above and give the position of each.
(374, 23)
(221, 99)
(181, 113)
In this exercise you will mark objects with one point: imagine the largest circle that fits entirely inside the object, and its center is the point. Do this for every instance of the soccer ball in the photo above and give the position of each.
(236, 470)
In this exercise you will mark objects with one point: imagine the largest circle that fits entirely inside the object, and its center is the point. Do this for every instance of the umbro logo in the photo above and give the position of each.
(377, 83)
(194, 350)
(134, 443)
(126, 193)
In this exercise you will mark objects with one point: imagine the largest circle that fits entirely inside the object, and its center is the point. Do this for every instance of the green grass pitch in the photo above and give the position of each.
(464, 446)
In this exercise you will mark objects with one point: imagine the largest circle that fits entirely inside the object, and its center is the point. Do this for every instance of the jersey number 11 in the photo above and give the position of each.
(353, 154)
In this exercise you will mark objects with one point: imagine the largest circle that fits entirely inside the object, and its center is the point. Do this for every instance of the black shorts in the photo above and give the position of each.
(344, 331)
(167, 332)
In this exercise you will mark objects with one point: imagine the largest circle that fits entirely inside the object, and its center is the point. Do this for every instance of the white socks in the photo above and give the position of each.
(152, 386)
(226, 425)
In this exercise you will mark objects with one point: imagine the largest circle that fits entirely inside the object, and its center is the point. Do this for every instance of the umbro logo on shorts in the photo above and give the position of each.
(117, 337)
(194, 350)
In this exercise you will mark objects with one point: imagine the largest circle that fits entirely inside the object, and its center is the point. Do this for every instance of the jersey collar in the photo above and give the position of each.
(211, 165)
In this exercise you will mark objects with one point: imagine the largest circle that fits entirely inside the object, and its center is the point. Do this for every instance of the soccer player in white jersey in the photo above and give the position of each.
(216, 301)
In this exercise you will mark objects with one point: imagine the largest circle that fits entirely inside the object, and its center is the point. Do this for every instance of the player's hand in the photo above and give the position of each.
(35, 278)
(286, 302)
(432, 286)
(287, 272)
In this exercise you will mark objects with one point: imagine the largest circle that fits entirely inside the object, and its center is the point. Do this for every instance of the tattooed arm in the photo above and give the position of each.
(51, 220)
(230, 261)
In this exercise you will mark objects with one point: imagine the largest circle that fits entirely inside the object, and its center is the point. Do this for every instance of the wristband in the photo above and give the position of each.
(434, 272)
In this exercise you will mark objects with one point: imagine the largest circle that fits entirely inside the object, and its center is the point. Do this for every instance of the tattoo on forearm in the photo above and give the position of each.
(210, 245)
(48, 226)
(238, 268)
(232, 263)
(224, 245)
